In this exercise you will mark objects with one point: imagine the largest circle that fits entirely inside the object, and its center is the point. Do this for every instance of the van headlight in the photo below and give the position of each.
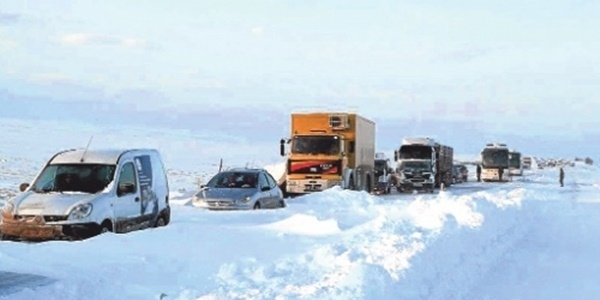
(80, 211)
(9, 208)
(246, 199)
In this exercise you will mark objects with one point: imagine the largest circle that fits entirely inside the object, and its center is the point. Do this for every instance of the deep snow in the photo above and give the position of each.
(527, 239)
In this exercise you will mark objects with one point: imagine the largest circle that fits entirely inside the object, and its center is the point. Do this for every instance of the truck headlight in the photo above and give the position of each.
(80, 211)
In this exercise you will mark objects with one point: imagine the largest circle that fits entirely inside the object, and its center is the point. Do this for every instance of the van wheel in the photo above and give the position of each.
(282, 203)
(256, 205)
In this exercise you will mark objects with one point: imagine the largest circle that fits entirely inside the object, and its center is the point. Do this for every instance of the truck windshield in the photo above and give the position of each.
(415, 152)
(85, 178)
(494, 158)
(515, 160)
(415, 165)
(329, 145)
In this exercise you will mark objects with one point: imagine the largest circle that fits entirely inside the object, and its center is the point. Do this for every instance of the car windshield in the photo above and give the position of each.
(494, 158)
(415, 165)
(85, 178)
(234, 180)
(328, 144)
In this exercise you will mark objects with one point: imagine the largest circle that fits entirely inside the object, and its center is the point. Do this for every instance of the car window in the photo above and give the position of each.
(128, 175)
(262, 181)
(271, 180)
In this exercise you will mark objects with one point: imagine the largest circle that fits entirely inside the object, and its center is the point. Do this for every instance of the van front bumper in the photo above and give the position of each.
(30, 229)
(36, 229)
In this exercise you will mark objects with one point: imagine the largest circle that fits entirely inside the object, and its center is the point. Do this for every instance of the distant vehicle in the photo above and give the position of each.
(240, 189)
(82, 193)
(383, 175)
(464, 172)
(515, 168)
(495, 162)
(526, 162)
(423, 164)
(327, 150)
(457, 176)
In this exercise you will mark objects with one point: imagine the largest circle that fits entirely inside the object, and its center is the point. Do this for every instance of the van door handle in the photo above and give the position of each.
(137, 199)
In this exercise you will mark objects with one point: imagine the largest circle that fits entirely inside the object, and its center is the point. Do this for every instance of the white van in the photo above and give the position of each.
(80, 193)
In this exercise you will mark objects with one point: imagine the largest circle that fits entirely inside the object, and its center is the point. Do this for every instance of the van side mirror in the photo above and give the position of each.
(23, 186)
(125, 188)
(265, 188)
(282, 147)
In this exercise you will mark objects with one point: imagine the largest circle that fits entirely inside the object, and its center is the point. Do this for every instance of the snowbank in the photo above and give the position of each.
(338, 244)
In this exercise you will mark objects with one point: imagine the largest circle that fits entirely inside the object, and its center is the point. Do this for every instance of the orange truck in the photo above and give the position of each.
(327, 150)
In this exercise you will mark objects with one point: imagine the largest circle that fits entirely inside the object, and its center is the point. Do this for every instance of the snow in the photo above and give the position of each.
(525, 239)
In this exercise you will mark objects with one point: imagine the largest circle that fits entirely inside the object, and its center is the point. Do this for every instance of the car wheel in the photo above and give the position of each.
(160, 222)
(256, 205)
(282, 203)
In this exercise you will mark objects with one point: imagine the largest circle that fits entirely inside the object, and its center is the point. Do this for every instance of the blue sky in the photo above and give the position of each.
(503, 66)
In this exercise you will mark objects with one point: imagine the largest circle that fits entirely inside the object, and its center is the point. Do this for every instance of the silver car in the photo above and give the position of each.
(236, 189)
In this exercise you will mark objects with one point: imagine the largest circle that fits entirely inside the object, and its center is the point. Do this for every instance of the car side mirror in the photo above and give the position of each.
(125, 188)
(265, 188)
(23, 186)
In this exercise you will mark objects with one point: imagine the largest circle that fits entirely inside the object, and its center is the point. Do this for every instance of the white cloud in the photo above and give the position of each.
(55, 77)
(258, 30)
(82, 39)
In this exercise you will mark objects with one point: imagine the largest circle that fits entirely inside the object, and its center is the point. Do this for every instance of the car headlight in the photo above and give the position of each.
(246, 199)
(81, 211)
(9, 208)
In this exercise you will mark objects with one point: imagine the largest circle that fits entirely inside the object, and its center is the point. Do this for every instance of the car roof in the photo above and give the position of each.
(244, 170)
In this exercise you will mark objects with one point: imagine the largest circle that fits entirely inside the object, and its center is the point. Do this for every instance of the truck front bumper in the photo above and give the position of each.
(415, 186)
(304, 186)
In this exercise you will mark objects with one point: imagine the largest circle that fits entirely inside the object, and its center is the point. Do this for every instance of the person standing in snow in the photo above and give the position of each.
(478, 172)
(500, 173)
(561, 177)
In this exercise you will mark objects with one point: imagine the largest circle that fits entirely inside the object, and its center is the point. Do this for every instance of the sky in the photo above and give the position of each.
(505, 69)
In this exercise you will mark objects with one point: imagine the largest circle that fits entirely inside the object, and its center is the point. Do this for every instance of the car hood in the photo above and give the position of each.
(225, 193)
(57, 204)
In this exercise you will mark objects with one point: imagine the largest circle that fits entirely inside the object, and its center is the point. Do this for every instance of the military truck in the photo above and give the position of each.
(423, 164)
(329, 149)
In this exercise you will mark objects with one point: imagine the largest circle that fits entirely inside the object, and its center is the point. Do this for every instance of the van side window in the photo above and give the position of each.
(127, 180)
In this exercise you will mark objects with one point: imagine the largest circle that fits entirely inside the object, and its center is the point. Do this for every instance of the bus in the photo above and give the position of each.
(495, 162)
(515, 167)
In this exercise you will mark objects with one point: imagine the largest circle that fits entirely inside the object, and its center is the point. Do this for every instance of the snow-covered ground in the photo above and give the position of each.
(527, 239)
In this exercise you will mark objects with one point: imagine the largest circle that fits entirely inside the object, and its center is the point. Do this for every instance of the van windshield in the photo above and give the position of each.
(84, 178)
